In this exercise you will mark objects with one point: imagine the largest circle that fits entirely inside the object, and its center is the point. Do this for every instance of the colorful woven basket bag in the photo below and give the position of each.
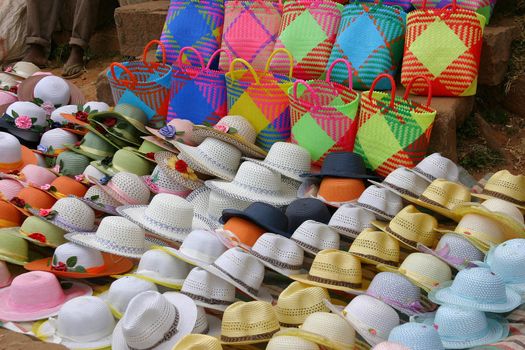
(198, 93)
(308, 31)
(195, 23)
(393, 131)
(443, 45)
(324, 115)
(261, 97)
(371, 38)
(406, 5)
(143, 84)
(483, 7)
(250, 30)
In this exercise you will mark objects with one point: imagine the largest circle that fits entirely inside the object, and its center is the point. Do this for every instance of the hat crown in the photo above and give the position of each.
(202, 245)
(72, 256)
(92, 141)
(416, 336)
(330, 326)
(249, 319)
(122, 232)
(394, 289)
(132, 186)
(313, 234)
(57, 138)
(9, 188)
(11, 149)
(36, 198)
(75, 214)
(303, 209)
(343, 163)
(97, 195)
(381, 199)
(163, 264)
(24, 69)
(37, 175)
(414, 226)
(373, 314)
(219, 152)
(258, 178)
(202, 283)
(34, 224)
(337, 265)
(242, 125)
(458, 246)
(508, 259)
(289, 156)
(72, 163)
(53, 89)
(69, 186)
(290, 342)
(96, 106)
(29, 109)
(460, 324)
(91, 172)
(85, 319)
(56, 115)
(349, 220)
(131, 111)
(426, 267)
(23, 291)
(164, 182)
(217, 202)
(242, 266)
(480, 284)
(377, 246)
(504, 207)
(481, 227)
(279, 251)
(406, 182)
(160, 212)
(13, 245)
(435, 166)
(506, 184)
(128, 161)
(185, 126)
(298, 301)
(124, 289)
(446, 193)
(201, 325)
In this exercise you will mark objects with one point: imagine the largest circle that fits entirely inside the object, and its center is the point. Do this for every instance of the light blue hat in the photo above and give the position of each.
(462, 328)
(416, 336)
(477, 288)
(508, 261)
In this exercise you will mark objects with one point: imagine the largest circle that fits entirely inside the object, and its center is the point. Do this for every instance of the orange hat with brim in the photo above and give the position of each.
(64, 186)
(9, 215)
(340, 190)
(34, 197)
(245, 230)
(28, 157)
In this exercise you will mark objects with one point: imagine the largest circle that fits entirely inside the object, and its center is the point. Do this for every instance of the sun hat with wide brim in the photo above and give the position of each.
(14, 248)
(178, 170)
(27, 87)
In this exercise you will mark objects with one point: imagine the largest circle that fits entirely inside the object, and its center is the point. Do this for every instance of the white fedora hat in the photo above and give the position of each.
(350, 221)
(380, 201)
(435, 166)
(207, 324)
(403, 182)
(279, 254)
(315, 236)
(208, 290)
(122, 291)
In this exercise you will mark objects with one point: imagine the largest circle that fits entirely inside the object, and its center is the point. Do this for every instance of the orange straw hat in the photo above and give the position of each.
(335, 191)
(33, 197)
(245, 230)
(64, 186)
(9, 215)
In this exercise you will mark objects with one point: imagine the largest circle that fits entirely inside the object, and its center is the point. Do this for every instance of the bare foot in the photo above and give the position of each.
(36, 54)
(75, 63)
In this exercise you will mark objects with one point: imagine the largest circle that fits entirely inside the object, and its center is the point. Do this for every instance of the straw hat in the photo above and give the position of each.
(370, 317)
(386, 345)
(303, 209)
(435, 166)
(10, 215)
(344, 165)
(74, 261)
(481, 230)
(506, 260)
(249, 323)
(159, 182)
(416, 336)
(208, 290)
(30, 197)
(178, 170)
(42, 232)
(100, 200)
(298, 301)
(165, 145)
(92, 174)
(5, 275)
(96, 106)
(477, 288)
(234, 130)
(286, 158)
(124, 160)
(71, 163)
(32, 175)
(122, 291)
(326, 329)
(54, 141)
(291, 342)
(22, 70)
(279, 254)
(24, 301)
(25, 120)
(156, 321)
(242, 270)
(380, 201)
(179, 130)
(70, 214)
(9, 188)
(147, 150)
(456, 250)
(57, 115)
(207, 324)
(506, 186)
(410, 227)
(199, 248)
(376, 247)
(158, 217)
(13, 155)
(349, 221)
(314, 236)
(122, 112)
(337, 270)
(7, 84)
(93, 146)
(424, 270)
(126, 188)
(254, 182)
(14, 247)
(198, 342)
(64, 186)
(82, 323)
(115, 235)
(462, 328)
(403, 181)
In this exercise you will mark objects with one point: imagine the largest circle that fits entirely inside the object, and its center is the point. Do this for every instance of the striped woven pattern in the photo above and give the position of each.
(308, 30)
(371, 38)
(405, 4)
(250, 30)
(483, 7)
(443, 45)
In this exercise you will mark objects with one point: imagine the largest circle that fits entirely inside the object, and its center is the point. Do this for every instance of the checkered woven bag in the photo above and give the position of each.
(393, 131)
(250, 30)
(143, 84)
(195, 23)
(405, 4)
(308, 31)
(483, 7)
(371, 38)
(261, 97)
(443, 45)
(324, 115)
(198, 93)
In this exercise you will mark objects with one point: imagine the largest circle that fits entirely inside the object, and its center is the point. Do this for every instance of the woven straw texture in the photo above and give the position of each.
(376, 247)
(208, 290)
(483, 7)
(249, 322)
(298, 301)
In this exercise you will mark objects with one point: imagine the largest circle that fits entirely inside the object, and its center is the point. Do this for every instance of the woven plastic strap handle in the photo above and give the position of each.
(377, 2)
(263, 4)
(130, 84)
(392, 83)
(247, 65)
(270, 59)
(411, 83)
(192, 49)
(162, 48)
(230, 57)
(454, 5)
(315, 97)
(348, 66)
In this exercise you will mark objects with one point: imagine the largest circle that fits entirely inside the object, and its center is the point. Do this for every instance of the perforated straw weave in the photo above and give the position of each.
(123, 290)
(376, 247)
(456, 250)
(72, 215)
(298, 301)
(380, 201)
(507, 259)
(350, 221)
(435, 166)
(98, 199)
(161, 268)
(290, 342)
(403, 181)
(208, 290)
(249, 322)
(314, 236)
(483, 229)
(128, 189)
(416, 336)
(279, 253)
(159, 182)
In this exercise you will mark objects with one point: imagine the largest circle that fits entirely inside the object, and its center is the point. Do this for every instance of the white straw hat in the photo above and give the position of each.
(57, 117)
(350, 221)
(435, 166)
(93, 174)
(53, 89)
(96, 106)
(122, 291)
(207, 324)
(23, 70)
(100, 200)
(403, 182)
(53, 141)
(208, 290)
(315, 236)
(160, 182)
(178, 170)
(380, 201)
(34, 117)
(279, 253)
(70, 214)
(127, 188)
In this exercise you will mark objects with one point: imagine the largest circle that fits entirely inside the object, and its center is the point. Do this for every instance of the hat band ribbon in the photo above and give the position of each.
(264, 336)
(444, 253)
(7, 223)
(503, 196)
(334, 282)
(432, 202)
(374, 209)
(306, 245)
(414, 306)
(401, 238)
(11, 166)
(276, 262)
(427, 176)
(286, 168)
(219, 165)
(167, 336)
(164, 226)
(69, 226)
(375, 258)
(400, 189)
(256, 189)
(121, 193)
(95, 151)
(203, 299)
(195, 254)
(13, 255)
(248, 288)
(118, 247)
(427, 281)
(157, 188)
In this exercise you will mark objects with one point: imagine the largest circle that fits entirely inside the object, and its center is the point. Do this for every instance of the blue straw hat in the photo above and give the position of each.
(477, 288)
(507, 260)
(463, 328)
(416, 336)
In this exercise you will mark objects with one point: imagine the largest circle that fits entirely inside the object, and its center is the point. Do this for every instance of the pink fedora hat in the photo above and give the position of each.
(37, 295)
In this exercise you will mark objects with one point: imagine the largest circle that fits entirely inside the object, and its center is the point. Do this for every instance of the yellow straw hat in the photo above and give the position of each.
(376, 247)
(291, 342)
(410, 227)
(251, 322)
(298, 301)
(506, 186)
(337, 270)
(198, 342)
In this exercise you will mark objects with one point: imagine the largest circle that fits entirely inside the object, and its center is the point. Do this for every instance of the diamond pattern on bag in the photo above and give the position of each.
(315, 35)
(311, 136)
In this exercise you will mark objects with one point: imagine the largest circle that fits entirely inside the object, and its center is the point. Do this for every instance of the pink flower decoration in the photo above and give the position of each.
(23, 122)
(44, 212)
(45, 187)
(79, 178)
(48, 107)
(9, 69)
(56, 168)
(223, 128)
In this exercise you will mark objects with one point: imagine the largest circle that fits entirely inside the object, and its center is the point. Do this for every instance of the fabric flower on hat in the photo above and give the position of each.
(225, 129)
(110, 122)
(38, 237)
(45, 187)
(182, 167)
(48, 107)
(83, 117)
(150, 155)
(47, 213)
(9, 69)
(79, 178)
(18, 202)
(23, 122)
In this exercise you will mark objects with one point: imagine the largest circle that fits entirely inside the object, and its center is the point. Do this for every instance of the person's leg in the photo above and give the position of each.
(42, 17)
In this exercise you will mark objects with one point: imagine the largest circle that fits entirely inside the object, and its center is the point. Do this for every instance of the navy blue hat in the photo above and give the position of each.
(263, 215)
(303, 209)
(343, 164)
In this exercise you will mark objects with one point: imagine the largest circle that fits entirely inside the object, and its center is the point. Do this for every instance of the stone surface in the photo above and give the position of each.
(496, 53)
(103, 89)
(105, 41)
(138, 24)
(515, 99)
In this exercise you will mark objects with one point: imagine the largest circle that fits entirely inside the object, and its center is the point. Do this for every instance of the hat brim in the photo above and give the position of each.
(109, 171)
(486, 196)
(303, 278)
(140, 154)
(384, 226)
(27, 87)
(28, 158)
(108, 209)
(202, 163)
(103, 137)
(201, 132)
(155, 278)
(84, 153)
(71, 118)
(279, 270)
(314, 338)
(292, 175)
(162, 161)
(398, 191)
(42, 244)
(231, 213)
(437, 209)
(158, 141)
(375, 211)
(184, 257)
(424, 249)
(113, 265)
(46, 332)
(118, 139)
(201, 219)
(55, 222)
(112, 114)
(429, 178)
(10, 312)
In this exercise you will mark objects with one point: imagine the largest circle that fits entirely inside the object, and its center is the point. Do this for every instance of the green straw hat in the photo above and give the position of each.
(125, 122)
(93, 146)
(126, 160)
(14, 248)
(147, 150)
(71, 163)
(42, 232)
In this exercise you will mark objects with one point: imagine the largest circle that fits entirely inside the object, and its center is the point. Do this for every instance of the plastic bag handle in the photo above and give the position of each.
(454, 5)
(247, 65)
(192, 49)
(317, 102)
(275, 52)
(411, 83)
(262, 3)
(129, 83)
(392, 83)
(162, 48)
(228, 53)
(348, 66)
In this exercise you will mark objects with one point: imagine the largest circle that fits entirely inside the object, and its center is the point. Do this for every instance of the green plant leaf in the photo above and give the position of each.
(38, 101)
(55, 260)
(71, 261)
(94, 198)
(79, 269)
(15, 115)
(232, 131)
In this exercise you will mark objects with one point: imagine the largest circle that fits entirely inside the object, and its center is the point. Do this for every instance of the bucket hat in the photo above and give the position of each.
(477, 288)
(410, 227)
(286, 158)
(13, 155)
(250, 322)
(71, 163)
(504, 185)
(326, 329)
(338, 191)
(303, 209)
(14, 247)
(416, 336)
(337, 270)
(207, 324)
(126, 188)
(254, 182)
(70, 214)
(178, 170)
(9, 188)
(381, 202)
(403, 181)
(52, 89)
(10, 215)
(81, 323)
(42, 232)
(370, 317)
(159, 182)
(156, 321)
(435, 166)
(64, 186)
(24, 300)
(30, 197)
(5, 275)
(74, 261)
(199, 248)
(25, 120)
(198, 342)
(376, 247)
(343, 164)
(278, 253)
(31, 174)
(481, 230)
(208, 290)
(93, 146)
(314, 236)
(234, 130)
(22, 70)
(158, 217)
(463, 328)
(242, 270)
(424, 270)
(54, 141)
(298, 301)
(100, 200)
(179, 130)
(456, 250)
(121, 291)
(386, 345)
(122, 112)
(505, 260)
(349, 221)
(115, 235)
(124, 160)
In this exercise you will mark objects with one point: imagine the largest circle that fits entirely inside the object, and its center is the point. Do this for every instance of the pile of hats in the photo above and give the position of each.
(213, 242)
